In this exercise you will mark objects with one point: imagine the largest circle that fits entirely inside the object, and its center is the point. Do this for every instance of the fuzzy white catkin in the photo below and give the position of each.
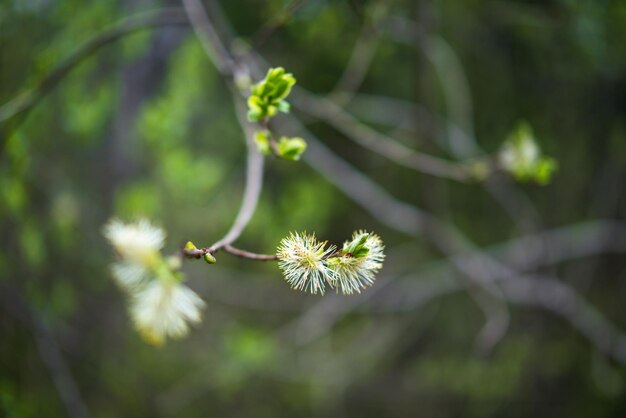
(163, 309)
(301, 259)
(308, 266)
(129, 276)
(160, 305)
(138, 242)
(354, 274)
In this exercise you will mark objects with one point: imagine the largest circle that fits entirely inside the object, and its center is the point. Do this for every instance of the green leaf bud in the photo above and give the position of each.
(209, 258)
(271, 111)
(291, 148)
(544, 170)
(262, 139)
(284, 106)
(356, 247)
(521, 157)
(267, 96)
(255, 109)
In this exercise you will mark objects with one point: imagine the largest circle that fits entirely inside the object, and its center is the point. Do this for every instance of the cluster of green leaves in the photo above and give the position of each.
(267, 97)
(356, 248)
(522, 158)
(286, 148)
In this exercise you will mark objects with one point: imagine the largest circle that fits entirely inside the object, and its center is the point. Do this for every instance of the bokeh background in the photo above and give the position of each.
(145, 126)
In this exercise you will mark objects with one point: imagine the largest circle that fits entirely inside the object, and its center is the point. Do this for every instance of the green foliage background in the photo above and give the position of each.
(146, 127)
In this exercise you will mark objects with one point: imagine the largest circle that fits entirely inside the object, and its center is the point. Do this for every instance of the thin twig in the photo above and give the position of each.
(249, 255)
(209, 39)
(225, 63)
(194, 13)
(264, 33)
(200, 252)
(252, 192)
(361, 57)
(365, 136)
(456, 93)
(437, 278)
(254, 182)
(497, 318)
(567, 243)
(23, 103)
(476, 265)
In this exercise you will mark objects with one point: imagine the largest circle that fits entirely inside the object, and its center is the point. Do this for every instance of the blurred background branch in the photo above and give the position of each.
(49, 351)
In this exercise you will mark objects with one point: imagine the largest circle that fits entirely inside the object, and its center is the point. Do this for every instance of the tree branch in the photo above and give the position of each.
(249, 255)
(471, 262)
(254, 183)
(199, 252)
(264, 33)
(209, 39)
(193, 13)
(361, 57)
(226, 64)
(23, 103)
(365, 136)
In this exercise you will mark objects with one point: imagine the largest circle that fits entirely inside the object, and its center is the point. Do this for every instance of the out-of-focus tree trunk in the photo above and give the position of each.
(140, 80)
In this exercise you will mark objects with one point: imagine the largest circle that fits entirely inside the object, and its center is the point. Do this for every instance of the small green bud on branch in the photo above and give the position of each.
(262, 139)
(291, 148)
(267, 97)
(208, 257)
(521, 157)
